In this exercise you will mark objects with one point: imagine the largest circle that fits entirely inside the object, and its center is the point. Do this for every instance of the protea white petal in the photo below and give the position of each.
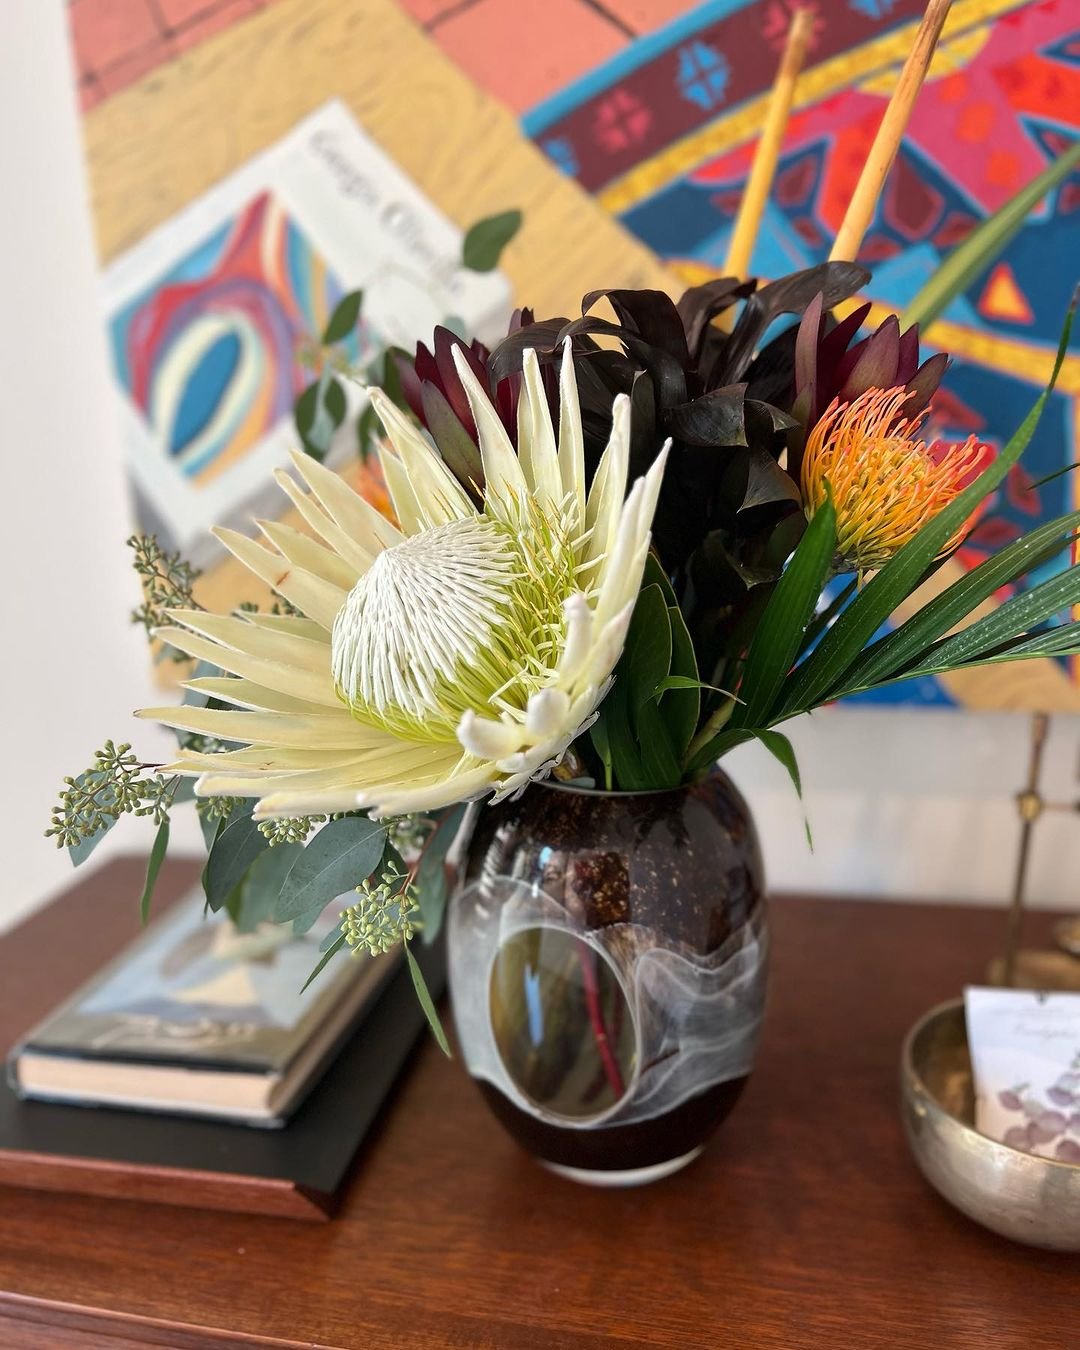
(407, 506)
(455, 657)
(571, 436)
(324, 525)
(604, 508)
(536, 437)
(246, 694)
(311, 556)
(371, 530)
(579, 636)
(546, 714)
(263, 728)
(290, 623)
(505, 483)
(237, 634)
(440, 496)
(314, 686)
(318, 599)
(486, 737)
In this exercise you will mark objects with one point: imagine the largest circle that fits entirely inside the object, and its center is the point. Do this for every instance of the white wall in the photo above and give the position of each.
(901, 803)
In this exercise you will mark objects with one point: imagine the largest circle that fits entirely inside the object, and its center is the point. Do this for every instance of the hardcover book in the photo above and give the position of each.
(197, 1018)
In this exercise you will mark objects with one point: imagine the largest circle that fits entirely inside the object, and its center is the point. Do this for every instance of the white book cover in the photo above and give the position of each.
(206, 316)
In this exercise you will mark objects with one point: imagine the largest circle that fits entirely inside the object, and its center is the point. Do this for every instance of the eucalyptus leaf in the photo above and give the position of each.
(485, 241)
(262, 885)
(233, 851)
(153, 867)
(341, 856)
(324, 960)
(427, 1003)
(432, 884)
(318, 413)
(344, 319)
(78, 853)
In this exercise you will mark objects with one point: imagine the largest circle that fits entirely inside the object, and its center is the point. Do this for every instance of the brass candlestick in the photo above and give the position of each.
(1034, 968)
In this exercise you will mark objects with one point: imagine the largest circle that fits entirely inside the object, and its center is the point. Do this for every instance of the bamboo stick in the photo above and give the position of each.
(864, 199)
(767, 154)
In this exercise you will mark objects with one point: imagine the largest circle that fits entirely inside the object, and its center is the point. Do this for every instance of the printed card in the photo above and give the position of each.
(1025, 1054)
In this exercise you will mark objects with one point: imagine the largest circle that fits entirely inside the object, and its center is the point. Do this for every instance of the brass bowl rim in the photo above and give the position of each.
(920, 1085)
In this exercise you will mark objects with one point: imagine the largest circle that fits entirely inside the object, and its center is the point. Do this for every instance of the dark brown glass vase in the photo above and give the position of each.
(607, 971)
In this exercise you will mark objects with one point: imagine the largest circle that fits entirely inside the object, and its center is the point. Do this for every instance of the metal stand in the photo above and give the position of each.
(1030, 968)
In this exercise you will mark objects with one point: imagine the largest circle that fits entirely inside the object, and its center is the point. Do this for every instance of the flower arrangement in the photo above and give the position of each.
(611, 549)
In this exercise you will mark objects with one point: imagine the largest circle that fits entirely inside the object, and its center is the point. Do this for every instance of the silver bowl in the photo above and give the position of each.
(1028, 1199)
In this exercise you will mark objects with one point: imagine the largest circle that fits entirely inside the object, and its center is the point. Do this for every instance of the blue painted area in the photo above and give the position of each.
(561, 152)
(703, 75)
(203, 391)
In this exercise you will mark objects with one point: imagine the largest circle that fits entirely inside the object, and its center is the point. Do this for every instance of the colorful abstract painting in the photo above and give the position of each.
(663, 135)
(209, 353)
(653, 106)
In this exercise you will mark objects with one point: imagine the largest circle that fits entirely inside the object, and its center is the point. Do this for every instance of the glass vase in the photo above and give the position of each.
(607, 971)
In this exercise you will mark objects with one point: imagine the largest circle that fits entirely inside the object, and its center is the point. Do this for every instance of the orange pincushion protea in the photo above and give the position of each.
(885, 482)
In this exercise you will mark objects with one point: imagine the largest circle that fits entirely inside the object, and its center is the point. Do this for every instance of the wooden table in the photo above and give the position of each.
(804, 1224)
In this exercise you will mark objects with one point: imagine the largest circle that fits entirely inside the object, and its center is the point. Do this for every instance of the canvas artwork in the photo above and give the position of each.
(653, 107)
(661, 128)
(208, 317)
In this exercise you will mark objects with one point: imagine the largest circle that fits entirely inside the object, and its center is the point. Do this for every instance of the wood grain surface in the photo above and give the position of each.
(805, 1224)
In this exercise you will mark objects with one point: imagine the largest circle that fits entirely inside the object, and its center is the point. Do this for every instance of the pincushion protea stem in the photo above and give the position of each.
(767, 154)
(864, 199)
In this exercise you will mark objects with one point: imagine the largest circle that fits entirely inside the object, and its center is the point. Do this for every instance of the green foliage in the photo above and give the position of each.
(237, 843)
(344, 319)
(432, 881)
(385, 914)
(318, 413)
(647, 721)
(485, 241)
(167, 581)
(153, 867)
(116, 784)
(427, 1002)
(780, 629)
(288, 829)
(783, 751)
(344, 853)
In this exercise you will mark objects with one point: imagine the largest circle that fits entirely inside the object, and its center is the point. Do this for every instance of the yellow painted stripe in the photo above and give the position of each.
(830, 77)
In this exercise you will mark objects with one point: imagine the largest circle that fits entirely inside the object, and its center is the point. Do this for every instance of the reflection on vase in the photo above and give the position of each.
(607, 965)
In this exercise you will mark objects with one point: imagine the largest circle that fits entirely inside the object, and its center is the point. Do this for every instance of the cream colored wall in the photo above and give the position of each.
(902, 804)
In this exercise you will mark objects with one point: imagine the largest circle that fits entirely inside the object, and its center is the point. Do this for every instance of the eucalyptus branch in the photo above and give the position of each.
(114, 785)
(167, 582)
(386, 913)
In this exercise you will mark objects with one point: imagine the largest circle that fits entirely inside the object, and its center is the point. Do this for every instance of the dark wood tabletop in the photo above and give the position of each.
(804, 1224)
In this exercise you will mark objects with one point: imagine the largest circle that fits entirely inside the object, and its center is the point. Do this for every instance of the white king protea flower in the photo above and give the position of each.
(456, 654)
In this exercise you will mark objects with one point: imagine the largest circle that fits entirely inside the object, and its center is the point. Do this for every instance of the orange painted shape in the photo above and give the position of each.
(105, 32)
(645, 16)
(976, 121)
(427, 12)
(1003, 170)
(1002, 298)
(521, 53)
